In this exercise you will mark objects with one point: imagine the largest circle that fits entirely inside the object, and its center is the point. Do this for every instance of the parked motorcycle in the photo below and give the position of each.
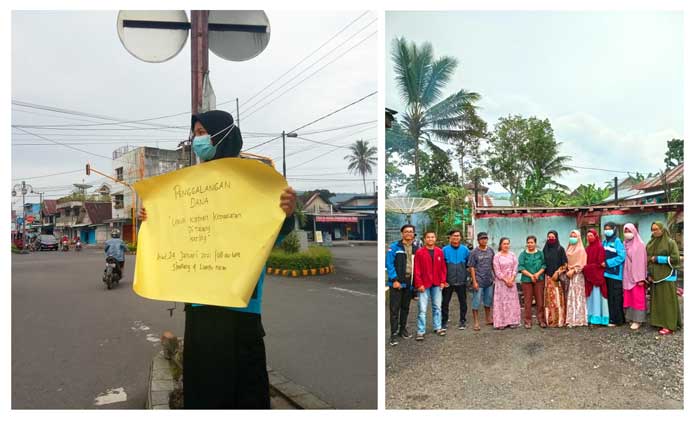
(64, 246)
(112, 273)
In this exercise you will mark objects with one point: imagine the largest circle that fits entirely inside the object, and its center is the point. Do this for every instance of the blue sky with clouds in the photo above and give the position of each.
(611, 83)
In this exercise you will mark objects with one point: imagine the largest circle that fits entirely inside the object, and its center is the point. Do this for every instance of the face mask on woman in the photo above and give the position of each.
(629, 236)
(608, 233)
(202, 144)
(573, 240)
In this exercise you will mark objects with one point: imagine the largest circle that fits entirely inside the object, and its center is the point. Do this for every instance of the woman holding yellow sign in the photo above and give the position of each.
(224, 364)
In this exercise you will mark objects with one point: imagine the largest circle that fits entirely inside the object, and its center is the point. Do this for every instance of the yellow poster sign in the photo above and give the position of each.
(208, 232)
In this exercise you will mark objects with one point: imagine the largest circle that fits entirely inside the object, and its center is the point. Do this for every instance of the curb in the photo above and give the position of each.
(294, 396)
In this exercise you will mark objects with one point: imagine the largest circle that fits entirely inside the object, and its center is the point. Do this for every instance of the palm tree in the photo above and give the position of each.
(420, 79)
(362, 158)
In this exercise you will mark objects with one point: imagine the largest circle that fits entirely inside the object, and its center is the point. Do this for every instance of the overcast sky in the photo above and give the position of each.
(611, 83)
(75, 61)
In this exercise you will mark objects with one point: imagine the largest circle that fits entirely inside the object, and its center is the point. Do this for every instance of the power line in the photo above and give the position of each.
(321, 155)
(245, 111)
(48, 175)
(118, 121)
(302, 60)
(314, 121)
(374, 121)
(63, 144)
(309, 76)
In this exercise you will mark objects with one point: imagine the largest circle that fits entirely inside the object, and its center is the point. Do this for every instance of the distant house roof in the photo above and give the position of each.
(672, 176)
(99, 212)
(342, 197)
(488, 201)
(49, 207)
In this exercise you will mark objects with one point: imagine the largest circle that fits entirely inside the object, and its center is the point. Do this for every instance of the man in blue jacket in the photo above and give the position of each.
(456, 257)
(399, 267)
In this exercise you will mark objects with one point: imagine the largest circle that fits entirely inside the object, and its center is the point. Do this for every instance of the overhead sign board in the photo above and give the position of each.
(153, 35)
(238, 35)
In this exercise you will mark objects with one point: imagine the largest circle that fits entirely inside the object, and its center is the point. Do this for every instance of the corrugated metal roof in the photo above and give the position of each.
(672, 176)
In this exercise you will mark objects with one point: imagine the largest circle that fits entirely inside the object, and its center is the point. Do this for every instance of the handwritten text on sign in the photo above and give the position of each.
(209, 231)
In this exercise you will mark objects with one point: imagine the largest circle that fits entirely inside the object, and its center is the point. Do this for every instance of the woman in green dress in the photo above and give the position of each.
(663, 257)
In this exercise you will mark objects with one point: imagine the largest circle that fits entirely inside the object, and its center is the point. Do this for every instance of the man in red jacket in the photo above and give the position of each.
(429, 278)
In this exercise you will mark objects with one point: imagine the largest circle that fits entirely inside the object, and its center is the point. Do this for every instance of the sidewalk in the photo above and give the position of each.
(284, 394)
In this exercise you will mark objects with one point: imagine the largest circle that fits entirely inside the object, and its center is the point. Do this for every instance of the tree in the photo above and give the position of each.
(451, 203)
(522, 148)
(467, 142)
(362, 158)
(420, 79)
(438, 169)
(674, 153)
(589, 194)
(506, 154)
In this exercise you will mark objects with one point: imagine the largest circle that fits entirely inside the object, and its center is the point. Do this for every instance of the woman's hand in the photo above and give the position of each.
(570, 273)
(142, 214)
(288, 201)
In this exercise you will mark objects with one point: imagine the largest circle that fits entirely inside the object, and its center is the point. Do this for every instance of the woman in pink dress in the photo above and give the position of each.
(506, 304)
(633, 277)
(576, 310)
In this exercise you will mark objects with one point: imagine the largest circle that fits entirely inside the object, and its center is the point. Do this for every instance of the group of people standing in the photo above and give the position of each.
(604, 283)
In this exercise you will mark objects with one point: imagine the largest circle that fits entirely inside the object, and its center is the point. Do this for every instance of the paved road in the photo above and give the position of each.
(75, 344)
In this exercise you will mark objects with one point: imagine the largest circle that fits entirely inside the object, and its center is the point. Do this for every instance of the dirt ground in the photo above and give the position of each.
(553, 368)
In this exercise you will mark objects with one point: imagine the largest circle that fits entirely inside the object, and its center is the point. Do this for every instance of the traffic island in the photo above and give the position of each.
(165, 382)
(315, 260)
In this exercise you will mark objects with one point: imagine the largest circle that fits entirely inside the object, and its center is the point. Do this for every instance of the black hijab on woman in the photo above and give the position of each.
(554, 255)
(219, 121)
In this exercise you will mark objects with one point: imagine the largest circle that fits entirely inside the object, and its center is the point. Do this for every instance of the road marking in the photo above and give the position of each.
(111, 396)
(356, 293)
(153, 338)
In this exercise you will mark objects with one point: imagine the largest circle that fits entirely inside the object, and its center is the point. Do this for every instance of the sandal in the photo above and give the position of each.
(476, 326)
(528, 325)
(665, 332)
(635, 326)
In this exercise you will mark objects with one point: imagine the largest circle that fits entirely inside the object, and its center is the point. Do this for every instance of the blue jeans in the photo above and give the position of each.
(486, 294)
(435, 293)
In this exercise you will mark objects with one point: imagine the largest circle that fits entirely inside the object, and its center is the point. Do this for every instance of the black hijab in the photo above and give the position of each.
(554, 254)
(214, 122)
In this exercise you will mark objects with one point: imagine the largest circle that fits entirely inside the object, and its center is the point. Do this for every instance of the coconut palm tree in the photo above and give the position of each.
(362, 158)
(420, 79)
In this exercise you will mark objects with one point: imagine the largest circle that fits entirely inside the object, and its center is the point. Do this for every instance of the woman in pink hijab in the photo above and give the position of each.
(576, 310)
(634, 276)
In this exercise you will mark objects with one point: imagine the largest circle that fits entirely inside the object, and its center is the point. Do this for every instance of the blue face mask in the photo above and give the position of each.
(203, 148)
(608, 233)
(202, 145)
(573, 240)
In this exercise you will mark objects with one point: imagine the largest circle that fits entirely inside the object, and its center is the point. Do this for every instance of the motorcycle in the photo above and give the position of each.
(78, 246)
(112, 273)
(64, 246)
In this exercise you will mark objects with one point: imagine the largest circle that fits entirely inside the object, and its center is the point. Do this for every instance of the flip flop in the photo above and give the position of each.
(665, 332)
(476, 327)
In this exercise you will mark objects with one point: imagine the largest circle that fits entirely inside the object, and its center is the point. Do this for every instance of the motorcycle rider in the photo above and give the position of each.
(115, 247)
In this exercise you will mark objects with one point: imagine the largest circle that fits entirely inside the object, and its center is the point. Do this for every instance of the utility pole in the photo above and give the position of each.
(284, 150)
(199, 41)
(238, 117)
(284, 155)
(616, 190)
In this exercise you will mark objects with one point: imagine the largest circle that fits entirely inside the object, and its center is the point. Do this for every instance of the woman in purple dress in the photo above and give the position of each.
(506, 304)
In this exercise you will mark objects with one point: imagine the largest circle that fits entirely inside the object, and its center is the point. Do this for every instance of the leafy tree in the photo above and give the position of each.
(520, 148)
(589, 194)
(541, 190)
(467, 142)
(674, 153)
(420, 79)
(506, 154)
(362, 158)
(438, 170)
(451, 203)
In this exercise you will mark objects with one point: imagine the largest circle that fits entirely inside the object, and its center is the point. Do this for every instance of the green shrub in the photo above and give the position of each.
(131, 247)
(291, 243)
(315, 257)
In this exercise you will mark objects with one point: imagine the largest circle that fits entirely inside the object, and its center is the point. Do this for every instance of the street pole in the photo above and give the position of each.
(24, 216)
(238, 117)
(200, 59)
(284, 155)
